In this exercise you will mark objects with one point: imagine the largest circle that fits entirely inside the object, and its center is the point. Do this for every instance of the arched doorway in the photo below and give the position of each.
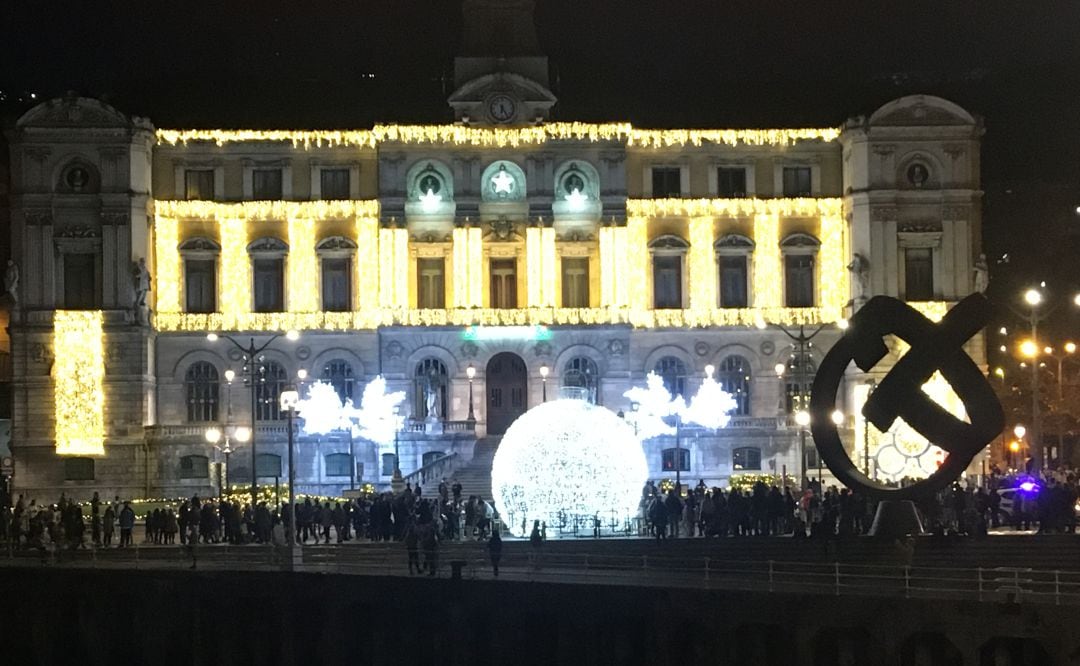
(506, 384)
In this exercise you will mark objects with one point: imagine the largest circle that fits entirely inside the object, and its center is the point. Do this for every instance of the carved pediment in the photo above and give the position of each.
(336, 243)
(199, 244)
(915, 110)
(268, 244)
(74, 111)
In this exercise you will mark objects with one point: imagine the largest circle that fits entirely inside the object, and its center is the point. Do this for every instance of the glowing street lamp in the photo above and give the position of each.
(1033, 297)
(289, 399)
(544, 370)
(470, 372)
(1029, 349)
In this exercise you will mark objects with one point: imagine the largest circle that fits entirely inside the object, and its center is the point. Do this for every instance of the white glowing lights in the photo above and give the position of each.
(566, 463)
(711, 406)
(430, 200)
(378, 418)
(78, 377)
(321, 411)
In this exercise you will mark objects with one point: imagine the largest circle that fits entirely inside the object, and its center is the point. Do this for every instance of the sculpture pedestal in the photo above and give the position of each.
(896, 519)
(433, 426)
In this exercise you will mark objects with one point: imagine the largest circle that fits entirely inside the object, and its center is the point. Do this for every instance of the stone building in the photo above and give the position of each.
(501, 256)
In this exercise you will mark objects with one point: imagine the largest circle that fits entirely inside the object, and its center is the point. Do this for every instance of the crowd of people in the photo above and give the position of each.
(1047, 503)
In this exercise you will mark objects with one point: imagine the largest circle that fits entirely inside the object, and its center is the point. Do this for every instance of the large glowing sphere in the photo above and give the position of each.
(567, 462)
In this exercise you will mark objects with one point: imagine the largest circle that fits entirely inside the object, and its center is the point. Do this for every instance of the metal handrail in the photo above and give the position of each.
(1001, 584)
(433, 469)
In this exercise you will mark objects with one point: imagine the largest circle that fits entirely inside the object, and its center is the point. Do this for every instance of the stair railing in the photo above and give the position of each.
(434, 470)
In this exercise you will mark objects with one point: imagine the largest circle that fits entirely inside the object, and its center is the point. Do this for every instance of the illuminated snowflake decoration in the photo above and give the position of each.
(567, 462)
(378, 419)
(711, 405)
(577, 199)
(322, 411)
(430, 200)
(651, 405)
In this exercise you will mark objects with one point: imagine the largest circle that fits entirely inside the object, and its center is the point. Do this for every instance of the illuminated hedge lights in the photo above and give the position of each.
(78, 377)
(565, 463)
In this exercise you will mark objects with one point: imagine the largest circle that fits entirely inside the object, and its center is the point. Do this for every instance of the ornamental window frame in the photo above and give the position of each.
(435, 367)
(316, 179)
(337, 248)
(268, 248)
(748, 170)
(180, 169)
(814, 164)
(932, 240)
(669, 245)
(199, 248)
(251, 166)
(519, 190)
(735, 245)
(800, 244)
(647, 179)
(202, 392)
(735, 374)
(582, 372)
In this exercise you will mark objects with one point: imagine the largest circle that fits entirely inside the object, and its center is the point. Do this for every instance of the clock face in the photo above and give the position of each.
(502, 108)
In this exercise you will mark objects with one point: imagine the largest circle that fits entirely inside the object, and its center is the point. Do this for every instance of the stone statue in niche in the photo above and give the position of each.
(11, 281)
(140, 277)
(77, 178)
(982, 274)
(431, 396)
(860, 270)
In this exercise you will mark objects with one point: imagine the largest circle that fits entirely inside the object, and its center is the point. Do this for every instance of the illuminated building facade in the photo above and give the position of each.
(540, 254)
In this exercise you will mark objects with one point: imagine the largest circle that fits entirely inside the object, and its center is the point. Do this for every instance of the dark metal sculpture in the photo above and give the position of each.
(933, 347)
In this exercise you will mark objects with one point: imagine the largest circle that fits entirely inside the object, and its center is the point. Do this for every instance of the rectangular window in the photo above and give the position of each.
(267, 465)
(340, 464)
(199, 184)
(200, 285)
(266, 184)
(194, 467)
(733, 282)
(504, 283)
(80, 282)
(575, 282)
(78, 469)
(672, 457)
(799, 281)
(336, 279)
(269, 285)
(666, 182)
(431, 283)
(919, 274)
(389, 462)
(797, 181)
(731, 182)
(334, 183)
(667, 282)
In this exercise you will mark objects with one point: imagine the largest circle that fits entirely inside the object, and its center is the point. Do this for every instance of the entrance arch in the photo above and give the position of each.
(506, 385)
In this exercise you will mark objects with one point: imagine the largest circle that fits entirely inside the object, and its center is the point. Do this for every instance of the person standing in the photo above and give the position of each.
(127, 524)
(536, 544)
(412, 547)
(108, 524)
(429, 541)
(95, 519)
(495, 546)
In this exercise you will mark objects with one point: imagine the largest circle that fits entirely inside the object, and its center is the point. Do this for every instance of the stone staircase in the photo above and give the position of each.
(475, 476)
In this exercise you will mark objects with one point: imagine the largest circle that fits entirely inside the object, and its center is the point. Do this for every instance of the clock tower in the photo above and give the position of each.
(501, 78)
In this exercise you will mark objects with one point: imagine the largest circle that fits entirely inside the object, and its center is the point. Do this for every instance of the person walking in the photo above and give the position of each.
(536, 544)
(95, 520)
(412, 547)
(429, 540)
(495, 546)
(108, 524)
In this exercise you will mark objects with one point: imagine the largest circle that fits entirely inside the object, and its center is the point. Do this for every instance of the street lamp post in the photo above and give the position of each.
(250, 355)
(470, 372)
(289, 399)
(1033, 297)
(544, 370)
(802, 419)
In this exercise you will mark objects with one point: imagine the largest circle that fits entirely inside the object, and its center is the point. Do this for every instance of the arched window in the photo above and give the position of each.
(202, 392)
(389, 462)
(671, 457)
(668, 257)
(338, 373)
(268, 465)
(800, 377)
(746, 458)
(430, 377)
(734, 378)
(673, 372)
(432, 456)
(271, 378)
(194, 467)
(581, 372)
(338, 464)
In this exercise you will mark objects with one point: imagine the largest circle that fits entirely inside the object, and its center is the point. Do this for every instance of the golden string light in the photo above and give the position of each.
(303, 265)
(701, 261)
(267, 210)
(832, 274)
(372, 319)
(635, 263)
(167, 264)
(476, 267)
(234, 280)
(367, 262)
(768, 276)
(501, 137)
(606, 250)
(460, 239)
(550, 268)
(78, 377)
(785, 207)
(533, 268)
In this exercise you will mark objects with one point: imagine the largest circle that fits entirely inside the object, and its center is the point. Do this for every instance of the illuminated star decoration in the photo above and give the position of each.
(502, 182)
(576, 199)
(377, 419)
(711, 405)
(322, 411)
(430, 199)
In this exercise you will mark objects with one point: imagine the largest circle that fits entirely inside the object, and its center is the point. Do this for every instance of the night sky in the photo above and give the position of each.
(657, 64)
